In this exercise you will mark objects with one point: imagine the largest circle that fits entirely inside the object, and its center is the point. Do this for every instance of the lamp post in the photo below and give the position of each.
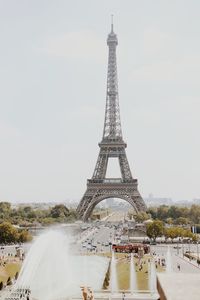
(189, 245)
(179, 240)
(177, 248)
(183, 249)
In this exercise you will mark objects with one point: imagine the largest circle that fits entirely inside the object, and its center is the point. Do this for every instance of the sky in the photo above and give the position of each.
(53, 68)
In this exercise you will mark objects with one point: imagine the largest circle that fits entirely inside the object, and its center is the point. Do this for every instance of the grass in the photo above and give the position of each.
(9, 270)
(123, 271)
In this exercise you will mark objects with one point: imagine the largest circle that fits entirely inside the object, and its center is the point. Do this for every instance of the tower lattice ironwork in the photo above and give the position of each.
(112, 145)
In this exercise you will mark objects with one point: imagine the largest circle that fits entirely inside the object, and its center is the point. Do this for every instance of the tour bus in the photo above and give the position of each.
(130, 248)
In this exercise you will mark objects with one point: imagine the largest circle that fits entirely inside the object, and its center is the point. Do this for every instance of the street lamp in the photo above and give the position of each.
(183, 249)
(189, 245)
(179, 240)
(197, 253)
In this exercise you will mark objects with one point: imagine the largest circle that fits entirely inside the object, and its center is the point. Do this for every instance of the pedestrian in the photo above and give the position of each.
(91, 296)
(179, 267)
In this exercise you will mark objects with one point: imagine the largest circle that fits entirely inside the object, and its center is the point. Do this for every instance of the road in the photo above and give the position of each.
(117, 216)
(107, 231)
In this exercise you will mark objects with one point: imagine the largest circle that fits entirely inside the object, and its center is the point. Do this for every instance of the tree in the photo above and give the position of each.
(169, 221)
(179, 232)
(173, 232)
(181, 221)
(141, 217)
(187, 233)
(59, 211)
(8, 233)
(174, 212)
(162, 212)
(155, 229)
(195, 214)
(153, 212)
(5, 210)
(24, 236)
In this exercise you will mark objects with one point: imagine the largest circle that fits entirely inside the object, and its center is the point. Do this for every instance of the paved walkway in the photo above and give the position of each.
(186, 266)
(192, 262)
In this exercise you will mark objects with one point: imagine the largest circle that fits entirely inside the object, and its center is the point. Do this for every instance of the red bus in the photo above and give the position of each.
(130, 248)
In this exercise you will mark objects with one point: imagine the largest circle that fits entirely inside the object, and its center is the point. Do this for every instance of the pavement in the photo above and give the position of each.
(182, 286)
(186, 266)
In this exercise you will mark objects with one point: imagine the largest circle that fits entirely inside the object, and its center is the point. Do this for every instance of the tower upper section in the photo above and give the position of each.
(112, 125)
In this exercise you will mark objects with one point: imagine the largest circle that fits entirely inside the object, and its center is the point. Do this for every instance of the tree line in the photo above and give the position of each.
(27, 215)
(158, 229)
(173, 215)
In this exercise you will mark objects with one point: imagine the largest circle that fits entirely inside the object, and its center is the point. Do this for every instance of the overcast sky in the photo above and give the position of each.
(53, 65)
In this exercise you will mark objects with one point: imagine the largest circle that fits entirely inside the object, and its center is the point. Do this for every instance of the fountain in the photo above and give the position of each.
(133, 279)
(169, 261)
(113, 276)
(52, 273)
(152, 277)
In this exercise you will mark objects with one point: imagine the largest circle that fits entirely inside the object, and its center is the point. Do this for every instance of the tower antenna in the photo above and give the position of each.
(111, 23)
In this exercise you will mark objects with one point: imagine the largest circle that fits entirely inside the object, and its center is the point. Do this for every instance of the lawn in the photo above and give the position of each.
(9, 270)
(123, 271)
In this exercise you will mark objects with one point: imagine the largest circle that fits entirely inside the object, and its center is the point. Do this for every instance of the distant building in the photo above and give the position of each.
(157, 201)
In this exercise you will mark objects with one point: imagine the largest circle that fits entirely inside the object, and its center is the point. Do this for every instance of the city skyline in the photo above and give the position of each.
(53, 73)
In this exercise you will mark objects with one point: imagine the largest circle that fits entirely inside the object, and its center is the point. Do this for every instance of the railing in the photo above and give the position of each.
(112, 180)
(127, 294)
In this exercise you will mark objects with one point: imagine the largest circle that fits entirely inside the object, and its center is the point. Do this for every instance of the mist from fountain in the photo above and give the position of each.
(52, 273)
(113, 276)
(133, 279)
(152, 277)
(169, 261)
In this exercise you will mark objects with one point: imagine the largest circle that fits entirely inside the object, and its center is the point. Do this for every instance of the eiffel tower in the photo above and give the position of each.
(112, 145)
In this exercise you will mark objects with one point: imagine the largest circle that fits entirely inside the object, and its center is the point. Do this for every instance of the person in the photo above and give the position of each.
(91, 296)
(84, 293)
(123, 296)
(179, 267)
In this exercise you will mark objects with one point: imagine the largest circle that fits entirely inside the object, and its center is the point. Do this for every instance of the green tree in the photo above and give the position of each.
(153, 212)
(59, 211)
(155, 229)
(162, 212)
(194, 214)
(182, 221)
(5, 210)
(174, 212)
(187, 233)
(24, 236)
(184, 212)
(173, 232)
(8, 233)
(141, 217)
(169, 221)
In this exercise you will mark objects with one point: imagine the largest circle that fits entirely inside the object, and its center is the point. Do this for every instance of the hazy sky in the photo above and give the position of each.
(53, 65)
